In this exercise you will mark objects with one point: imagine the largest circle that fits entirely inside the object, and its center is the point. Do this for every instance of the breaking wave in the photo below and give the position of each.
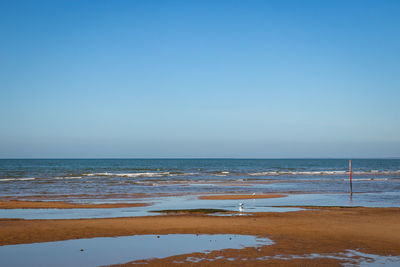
(18, 179)
(140, 174)
(277, 173)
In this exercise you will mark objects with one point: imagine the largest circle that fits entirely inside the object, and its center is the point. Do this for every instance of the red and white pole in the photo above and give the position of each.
(351, 184)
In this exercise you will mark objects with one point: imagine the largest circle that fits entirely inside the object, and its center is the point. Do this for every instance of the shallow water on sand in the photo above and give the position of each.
(351, 257)
(390, 199)
(113, 250)
(164, 203)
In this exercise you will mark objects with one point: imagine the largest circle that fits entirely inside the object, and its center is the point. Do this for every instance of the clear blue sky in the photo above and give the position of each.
(199, 78)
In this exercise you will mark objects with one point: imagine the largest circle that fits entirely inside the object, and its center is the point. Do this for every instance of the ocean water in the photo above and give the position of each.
(24, 177)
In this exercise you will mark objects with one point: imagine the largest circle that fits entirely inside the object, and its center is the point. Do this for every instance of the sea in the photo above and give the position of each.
(23, 177)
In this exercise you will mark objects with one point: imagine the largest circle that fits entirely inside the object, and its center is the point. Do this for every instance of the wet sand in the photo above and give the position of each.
(227, 197)
(318, 230)
(18, 204)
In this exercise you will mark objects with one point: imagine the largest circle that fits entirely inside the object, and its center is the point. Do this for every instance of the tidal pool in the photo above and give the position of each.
(113, 250)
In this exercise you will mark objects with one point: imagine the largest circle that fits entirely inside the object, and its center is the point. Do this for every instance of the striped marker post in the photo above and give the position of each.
(351, 184)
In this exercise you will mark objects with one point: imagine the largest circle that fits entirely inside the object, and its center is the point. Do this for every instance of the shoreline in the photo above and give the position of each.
(319, 230)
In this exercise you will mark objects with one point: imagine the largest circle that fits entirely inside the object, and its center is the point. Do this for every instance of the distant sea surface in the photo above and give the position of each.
(23, 177)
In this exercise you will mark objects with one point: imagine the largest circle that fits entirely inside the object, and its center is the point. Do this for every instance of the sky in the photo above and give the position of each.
(232, 79)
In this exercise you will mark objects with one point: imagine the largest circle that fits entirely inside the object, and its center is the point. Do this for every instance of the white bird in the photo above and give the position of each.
(241, 207)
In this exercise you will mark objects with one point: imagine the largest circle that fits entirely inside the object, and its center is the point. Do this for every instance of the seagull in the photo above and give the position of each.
(241, 207)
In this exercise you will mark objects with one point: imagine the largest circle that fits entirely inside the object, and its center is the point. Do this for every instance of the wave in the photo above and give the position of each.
(368, 179)
(67, 177)
(18, 179)
(298, 173)
(137, 174)
(141, 174)
(277, 173)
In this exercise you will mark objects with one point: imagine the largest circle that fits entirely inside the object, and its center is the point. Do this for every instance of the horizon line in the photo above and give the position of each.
(190, 158)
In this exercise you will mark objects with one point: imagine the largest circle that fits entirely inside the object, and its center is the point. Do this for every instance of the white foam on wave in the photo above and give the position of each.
(276, 173)
(376, 172)
(140, 174)
(102, 174)
(368, 179)
(297, 173)
(98, 174)
(262, 173)
(334, 172)
(67, 177)
(18, 179)
(136, 174)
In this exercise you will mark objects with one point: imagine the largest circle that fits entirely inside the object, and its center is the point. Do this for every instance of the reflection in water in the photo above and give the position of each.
(113, 250)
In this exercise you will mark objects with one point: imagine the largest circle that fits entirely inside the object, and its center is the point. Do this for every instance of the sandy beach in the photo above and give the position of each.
(320, 230)
(198, 212)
